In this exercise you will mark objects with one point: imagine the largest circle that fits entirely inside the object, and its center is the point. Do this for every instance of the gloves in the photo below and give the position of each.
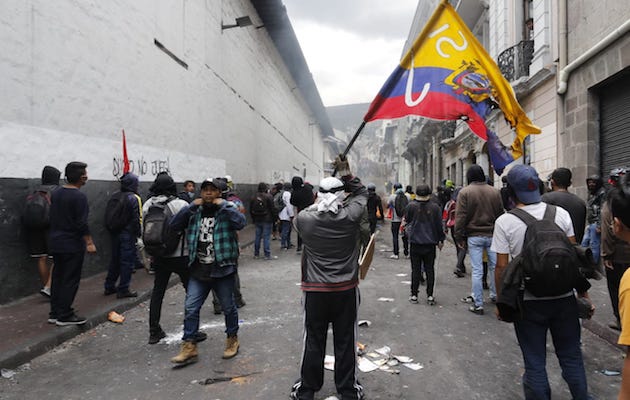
(342, 165)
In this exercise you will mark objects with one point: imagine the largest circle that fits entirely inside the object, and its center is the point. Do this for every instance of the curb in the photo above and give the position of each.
(47, 341)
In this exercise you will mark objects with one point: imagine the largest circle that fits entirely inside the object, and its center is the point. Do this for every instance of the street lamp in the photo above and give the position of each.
(241, 22)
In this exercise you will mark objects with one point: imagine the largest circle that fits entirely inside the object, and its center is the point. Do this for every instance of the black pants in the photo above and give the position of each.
(405, 241)
(422, 256)
(164, 267)
(65, 283)
(395, 230)
(613, 278)
(372, 222)
(238, 296)
(340, 309)
(461, 253)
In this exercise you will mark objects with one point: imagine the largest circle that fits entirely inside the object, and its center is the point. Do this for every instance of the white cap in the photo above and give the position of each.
(228, 178)
(330, 184)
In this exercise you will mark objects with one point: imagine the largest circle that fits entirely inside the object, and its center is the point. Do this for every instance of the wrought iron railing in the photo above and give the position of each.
(515, 61)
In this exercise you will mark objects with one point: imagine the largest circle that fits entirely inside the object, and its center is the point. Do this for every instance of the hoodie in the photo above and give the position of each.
(302, 195)
(129, 184)
(50, 179)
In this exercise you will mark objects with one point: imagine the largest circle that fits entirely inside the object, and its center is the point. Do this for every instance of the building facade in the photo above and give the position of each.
(202, 89)
(568, 63)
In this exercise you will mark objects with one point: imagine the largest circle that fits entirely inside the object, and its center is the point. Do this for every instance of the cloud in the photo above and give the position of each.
(351, 46)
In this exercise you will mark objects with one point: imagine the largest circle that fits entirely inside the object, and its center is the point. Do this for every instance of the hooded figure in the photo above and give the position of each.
(50, 178)
(129, 183)
(163, 185)
(302, 195)
(475, 174)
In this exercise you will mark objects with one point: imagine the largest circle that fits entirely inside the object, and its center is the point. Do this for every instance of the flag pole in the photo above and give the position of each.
(354, 139)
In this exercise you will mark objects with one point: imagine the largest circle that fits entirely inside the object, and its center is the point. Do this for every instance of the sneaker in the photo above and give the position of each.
(107, 292)
(52, 320)
(156, 337)
(467, 299)
(430, 301)
(126, 293)
(299, 249)
(200, 336)
(394, 256)
(218, 310)
(413, 299)
(475, 309)
(45, 291)
(267, 258)
(151, 270)
(493, 300)
(231, 347)
(72, 320)
(240, 303)
(459, 273)
(256, 256)
(615, 325)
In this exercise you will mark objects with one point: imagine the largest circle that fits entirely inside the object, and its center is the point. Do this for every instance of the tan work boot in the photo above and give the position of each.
(188, 354)
(231, 347)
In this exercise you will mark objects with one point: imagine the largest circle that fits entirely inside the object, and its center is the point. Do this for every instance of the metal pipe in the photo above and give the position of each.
(563, 76)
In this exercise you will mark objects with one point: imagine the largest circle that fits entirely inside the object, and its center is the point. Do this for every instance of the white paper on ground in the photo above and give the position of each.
(366, 365)
(403, 359)
(364, 322)
(385, 350)
(385, 299)
(401, 274)
(414, 366)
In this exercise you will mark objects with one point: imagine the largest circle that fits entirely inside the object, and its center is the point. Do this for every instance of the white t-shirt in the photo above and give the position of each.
(509, 234)
(509, 230)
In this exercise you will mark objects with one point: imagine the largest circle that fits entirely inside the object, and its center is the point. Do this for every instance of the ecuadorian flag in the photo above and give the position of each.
(448, 75)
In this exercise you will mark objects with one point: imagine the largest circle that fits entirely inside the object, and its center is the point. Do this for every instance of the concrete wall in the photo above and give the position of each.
(76, 73)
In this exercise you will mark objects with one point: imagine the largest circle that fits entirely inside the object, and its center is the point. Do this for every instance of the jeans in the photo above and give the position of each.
(285, 234)
(197, 294)
(164, 267)
(263, 231)
(422, 257)
(476, 245)
(122, 263)
(592, 239)
(560, 318)
(395, 232)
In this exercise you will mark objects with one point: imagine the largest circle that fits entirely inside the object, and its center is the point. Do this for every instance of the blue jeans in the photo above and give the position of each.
(263, 231)
(196, 295)
(561, 319)
(476, 245)
(285, 234)
(592, 239)
(122, 263)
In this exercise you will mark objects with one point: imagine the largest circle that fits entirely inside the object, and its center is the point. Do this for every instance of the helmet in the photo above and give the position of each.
(397, 185)
(615, 174)
(371, 187)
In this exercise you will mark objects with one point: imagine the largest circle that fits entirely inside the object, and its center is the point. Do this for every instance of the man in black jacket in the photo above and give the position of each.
(262, 213)
(301, 197)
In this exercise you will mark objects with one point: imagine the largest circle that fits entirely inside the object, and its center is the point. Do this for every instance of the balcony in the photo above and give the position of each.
(514, 62)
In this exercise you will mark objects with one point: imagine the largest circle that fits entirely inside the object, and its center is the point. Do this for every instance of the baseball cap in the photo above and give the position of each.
(423, 192)
(525, 182)
(330, 185)
(216, 182)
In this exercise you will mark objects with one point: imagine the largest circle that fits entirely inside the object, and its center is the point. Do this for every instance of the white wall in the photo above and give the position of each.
(75, 72)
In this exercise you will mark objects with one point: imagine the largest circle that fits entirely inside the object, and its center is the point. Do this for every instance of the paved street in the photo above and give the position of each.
(463, 355)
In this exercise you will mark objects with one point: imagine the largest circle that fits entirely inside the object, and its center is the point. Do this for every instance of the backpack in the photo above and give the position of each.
(37, 210)
(116, 214)
(158, 238)
(400, 202)
(549, 261)
(259, 209)
(278, 203)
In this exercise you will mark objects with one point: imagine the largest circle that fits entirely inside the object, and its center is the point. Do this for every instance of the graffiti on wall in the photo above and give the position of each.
(141, 167)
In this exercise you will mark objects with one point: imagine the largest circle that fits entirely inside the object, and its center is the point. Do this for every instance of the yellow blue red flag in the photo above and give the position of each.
(448, 75)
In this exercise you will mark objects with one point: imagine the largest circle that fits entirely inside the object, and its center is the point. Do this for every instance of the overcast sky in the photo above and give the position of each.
(351, 46)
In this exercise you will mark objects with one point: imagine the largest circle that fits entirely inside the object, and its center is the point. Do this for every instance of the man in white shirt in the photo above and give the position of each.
(557, 314)
(286, 216)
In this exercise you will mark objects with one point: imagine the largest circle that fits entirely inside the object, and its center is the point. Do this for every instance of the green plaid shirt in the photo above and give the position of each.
(228, 221)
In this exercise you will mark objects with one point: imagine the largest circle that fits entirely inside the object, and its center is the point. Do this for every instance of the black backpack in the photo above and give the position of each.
(278, 203)
(37, 210)
(259, 208)
(549, 261)
(400, 202)
(116, 212)
(158, 237)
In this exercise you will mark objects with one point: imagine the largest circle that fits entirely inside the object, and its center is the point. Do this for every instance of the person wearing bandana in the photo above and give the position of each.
(331, 231)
